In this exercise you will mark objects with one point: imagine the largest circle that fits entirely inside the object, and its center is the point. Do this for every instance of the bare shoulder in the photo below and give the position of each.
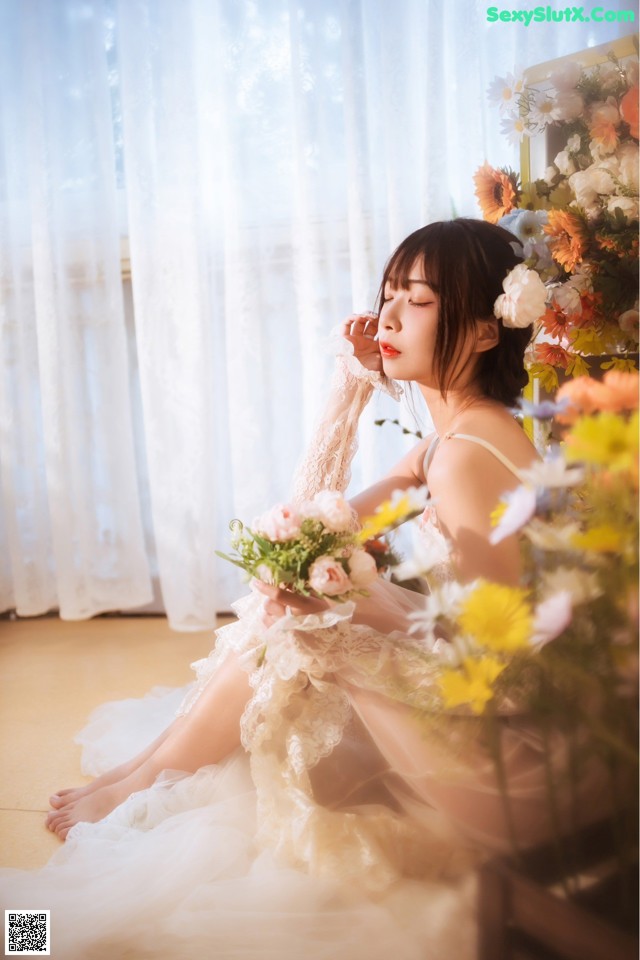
(475, 440)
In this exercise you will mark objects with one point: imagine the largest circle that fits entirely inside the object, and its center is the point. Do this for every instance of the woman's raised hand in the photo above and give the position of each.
(277, 600)
(361, 330)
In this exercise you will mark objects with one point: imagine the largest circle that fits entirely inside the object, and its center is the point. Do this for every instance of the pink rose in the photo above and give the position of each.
(362, 569)
(327, 576)
(330, 508)
(282, 522)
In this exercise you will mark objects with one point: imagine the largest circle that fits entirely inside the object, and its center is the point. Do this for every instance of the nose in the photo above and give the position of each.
(389, 318)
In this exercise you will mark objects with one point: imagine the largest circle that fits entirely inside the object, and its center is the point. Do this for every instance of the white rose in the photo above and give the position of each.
(567, 298)
(524, 298)
(331, 509)
(550, 175)
(609, 76)
(628, 164)
(629, 322)
(362, 569)
(566, 77)
(327, 576)
(564, 163)
(605, 112)
(573, 143)
(280, 523)
(590, 184)
(568, 106)
(627, 205)
(585, 192)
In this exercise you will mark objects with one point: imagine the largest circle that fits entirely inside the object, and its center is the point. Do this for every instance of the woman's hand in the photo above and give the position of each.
(361, 330)
(277, 601)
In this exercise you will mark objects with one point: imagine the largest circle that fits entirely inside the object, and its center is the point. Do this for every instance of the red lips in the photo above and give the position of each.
(387, 350)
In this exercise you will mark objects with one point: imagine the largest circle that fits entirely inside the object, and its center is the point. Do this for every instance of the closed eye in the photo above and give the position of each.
(426, 303)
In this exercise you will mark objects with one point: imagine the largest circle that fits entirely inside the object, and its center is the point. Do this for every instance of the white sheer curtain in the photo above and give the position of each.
(259, 160)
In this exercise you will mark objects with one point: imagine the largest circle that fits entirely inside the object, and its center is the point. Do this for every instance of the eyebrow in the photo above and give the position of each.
(425, 283)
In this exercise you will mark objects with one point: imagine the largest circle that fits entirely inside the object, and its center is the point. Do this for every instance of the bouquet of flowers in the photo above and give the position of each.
(317, 548)
(577, 226)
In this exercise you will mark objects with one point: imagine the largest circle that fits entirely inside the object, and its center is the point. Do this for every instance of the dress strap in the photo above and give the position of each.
(428, 457)
(487, 446)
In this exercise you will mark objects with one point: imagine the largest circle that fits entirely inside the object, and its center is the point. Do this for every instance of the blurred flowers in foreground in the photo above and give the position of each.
(561, 648)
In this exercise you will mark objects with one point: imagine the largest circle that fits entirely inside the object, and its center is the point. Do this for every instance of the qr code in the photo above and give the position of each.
(27, 933)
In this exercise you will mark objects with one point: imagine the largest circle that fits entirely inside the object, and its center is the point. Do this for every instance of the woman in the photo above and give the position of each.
(347, 797)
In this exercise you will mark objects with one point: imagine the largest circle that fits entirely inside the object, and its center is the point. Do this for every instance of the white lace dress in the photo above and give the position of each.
(341, 829)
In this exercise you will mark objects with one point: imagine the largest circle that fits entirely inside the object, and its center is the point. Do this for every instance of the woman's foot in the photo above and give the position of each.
(70, 795)
(64, 797)
(97, 804)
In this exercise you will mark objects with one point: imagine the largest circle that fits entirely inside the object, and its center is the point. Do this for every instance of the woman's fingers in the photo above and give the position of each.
(360, 325)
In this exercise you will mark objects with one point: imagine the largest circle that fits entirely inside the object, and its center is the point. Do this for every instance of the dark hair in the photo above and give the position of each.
(465, 262)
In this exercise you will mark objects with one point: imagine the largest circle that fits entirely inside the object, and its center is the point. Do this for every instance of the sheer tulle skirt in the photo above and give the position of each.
(343, 829)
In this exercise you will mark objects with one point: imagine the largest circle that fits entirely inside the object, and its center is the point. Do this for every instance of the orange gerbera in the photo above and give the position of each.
(552, 354)
(622, 390)
(569, 237)
(584, 395)
(556, 323)
(629, 110)
(497, 191)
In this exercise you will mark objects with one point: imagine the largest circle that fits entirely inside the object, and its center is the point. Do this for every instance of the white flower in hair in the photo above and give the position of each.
(524, 298)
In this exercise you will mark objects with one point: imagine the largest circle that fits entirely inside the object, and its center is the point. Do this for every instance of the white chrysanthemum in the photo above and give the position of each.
(552, 473)
(521, 506)
(524, 298)
(581, 584)
(503, 91)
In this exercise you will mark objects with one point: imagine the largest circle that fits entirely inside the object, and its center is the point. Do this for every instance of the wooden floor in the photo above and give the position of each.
(52, 675)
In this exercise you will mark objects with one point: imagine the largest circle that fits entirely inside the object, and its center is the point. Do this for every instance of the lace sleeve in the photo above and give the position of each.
(327, 462)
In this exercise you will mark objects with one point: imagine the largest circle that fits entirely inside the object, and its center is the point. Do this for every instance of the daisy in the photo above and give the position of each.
(514, 129)
(540, 112)
(504, 91)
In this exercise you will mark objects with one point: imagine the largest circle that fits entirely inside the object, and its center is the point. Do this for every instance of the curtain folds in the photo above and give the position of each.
(259, 160)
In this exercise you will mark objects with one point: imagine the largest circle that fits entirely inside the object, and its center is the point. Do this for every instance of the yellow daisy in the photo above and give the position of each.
(472, 685)
(605, 439)
(604, 538)
(497, 617)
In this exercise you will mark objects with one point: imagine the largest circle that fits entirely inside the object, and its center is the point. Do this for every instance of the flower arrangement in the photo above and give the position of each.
(317, 548)
(561, 647)
(577, 226)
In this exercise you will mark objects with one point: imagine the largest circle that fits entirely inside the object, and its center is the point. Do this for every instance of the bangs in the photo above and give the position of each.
(401, 267)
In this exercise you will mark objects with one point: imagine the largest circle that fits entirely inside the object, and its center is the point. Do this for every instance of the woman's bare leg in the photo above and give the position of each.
(206, 735)
(63, 797)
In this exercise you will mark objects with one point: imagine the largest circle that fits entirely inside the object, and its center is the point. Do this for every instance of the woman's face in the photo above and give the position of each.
(407, 328)
(407, 333)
